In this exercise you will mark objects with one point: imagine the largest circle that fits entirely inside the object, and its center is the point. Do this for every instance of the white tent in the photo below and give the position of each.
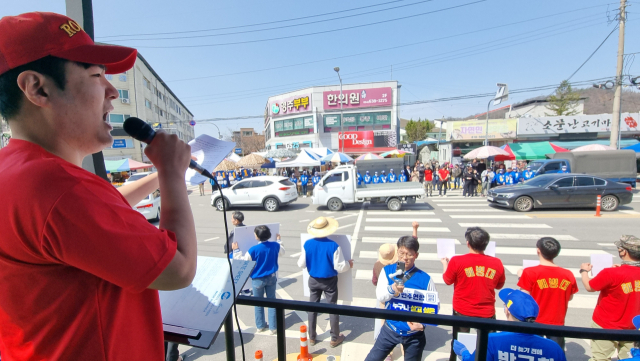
(322, 151)
(304, 159)
(233, 157)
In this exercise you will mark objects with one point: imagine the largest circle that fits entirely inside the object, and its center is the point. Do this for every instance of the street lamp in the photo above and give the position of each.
(501, 95)
(337, 70)
(219, 134)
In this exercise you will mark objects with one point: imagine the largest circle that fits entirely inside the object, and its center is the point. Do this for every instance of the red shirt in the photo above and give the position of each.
(475, 277)
(428, 175)
(75, 264)
(552, 288)
(619, 299)
(444, 174)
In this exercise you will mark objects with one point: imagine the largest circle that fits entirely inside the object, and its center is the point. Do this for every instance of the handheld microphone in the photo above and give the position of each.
(139, 130)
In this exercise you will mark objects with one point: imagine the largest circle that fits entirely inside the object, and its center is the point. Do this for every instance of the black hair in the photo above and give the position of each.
(409, 242)
(477, 237)
(11, 95)
(263, 233)
(635, 255)
(549, 248)
(238, 216)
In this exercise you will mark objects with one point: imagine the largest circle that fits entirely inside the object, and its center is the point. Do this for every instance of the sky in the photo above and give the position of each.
(434, 48)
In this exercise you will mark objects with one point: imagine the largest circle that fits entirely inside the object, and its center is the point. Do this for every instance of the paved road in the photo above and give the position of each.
(370, 225)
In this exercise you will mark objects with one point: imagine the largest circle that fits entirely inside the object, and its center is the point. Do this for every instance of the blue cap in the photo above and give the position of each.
(636, 322)
(521, 305)
(367, 172)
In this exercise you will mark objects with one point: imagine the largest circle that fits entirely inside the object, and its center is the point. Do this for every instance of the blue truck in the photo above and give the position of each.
(613, 165)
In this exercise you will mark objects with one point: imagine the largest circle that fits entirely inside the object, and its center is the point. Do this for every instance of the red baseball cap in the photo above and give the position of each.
(32, 36)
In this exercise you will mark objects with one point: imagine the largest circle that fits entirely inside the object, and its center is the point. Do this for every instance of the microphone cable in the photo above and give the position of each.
(233, 284)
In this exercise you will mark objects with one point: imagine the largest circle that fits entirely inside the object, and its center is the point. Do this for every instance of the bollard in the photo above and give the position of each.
(304, 345)
(598, 206)
(259, 355)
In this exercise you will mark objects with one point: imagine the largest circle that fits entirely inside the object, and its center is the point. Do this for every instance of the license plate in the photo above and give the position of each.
(490, 199)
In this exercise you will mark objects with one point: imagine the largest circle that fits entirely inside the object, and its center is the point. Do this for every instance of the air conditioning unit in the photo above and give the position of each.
(125, 100)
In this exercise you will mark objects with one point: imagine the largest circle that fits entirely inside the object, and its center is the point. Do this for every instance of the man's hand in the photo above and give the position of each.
(278, 237)
(445, 261)
(168, 153)
(351, 263)
(234, 246)
(415, 225)
(520, 272)
(414, 326)
(397, 289)
(586, 266)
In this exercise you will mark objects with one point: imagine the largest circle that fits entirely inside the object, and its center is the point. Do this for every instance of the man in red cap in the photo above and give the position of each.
(80, 268)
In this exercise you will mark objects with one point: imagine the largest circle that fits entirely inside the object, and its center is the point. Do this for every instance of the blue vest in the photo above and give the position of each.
(392, 178)
(402, 178)
(359, 178)
(304, 179)
(294, 180)
(315, 180)
(376, 180)
(238, 175)
(319, 256)
(509, 179)
(502, 179)
(383, 178)
(414, 298)
(527, 175)
(520, 346)
(266, 256)
(367, 179)
(516, 176)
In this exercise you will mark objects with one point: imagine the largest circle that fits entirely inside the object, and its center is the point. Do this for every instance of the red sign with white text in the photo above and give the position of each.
(362, 139)
(367, 141)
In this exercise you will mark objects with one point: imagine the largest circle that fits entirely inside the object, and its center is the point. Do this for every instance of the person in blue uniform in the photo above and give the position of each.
(392, 176)
(564, 169)
(294, 180)
(304, 180)
(402, 177)
(527, 174)
(376, 178)
(516, 175)
(501, 178)
(411, 291)
(635, 350)
(519, 307)
(383, 177)
(359, 178)
(316, 179)
(367, 178)
(508, 176)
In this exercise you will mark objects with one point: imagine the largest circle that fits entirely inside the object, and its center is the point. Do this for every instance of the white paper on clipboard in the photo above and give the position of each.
(469, 341)
(600, 262)
(446, 248)
(491, 249)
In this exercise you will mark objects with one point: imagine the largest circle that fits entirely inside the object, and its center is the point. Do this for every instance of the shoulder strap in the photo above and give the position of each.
(408, 276)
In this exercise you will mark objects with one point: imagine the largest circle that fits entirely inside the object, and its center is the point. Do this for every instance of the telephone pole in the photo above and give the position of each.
(615, 123)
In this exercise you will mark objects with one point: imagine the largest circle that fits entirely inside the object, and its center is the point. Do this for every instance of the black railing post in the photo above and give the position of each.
(282, 337)
(228, 337)
(482, 343)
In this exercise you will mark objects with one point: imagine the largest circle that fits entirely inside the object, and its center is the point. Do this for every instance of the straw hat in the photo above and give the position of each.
(322, 227)
(387, 254)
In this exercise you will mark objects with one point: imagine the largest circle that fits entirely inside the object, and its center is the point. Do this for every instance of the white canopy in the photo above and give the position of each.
(304, 159)
(233, 157)
(322, 151)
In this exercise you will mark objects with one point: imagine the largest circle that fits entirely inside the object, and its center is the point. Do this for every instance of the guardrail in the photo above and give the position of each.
(482, 325)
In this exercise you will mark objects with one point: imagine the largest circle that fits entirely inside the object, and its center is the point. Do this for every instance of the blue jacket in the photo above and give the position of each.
(293, 179)
(516, 176)
(519, 346)
(304, 179)
(527, 174)
(383, 178)
(376, 179)
(319, 256)
(392, 178)
(501, 178)
(359, 178)
(367, 179)
(402, 178)
(315, 180)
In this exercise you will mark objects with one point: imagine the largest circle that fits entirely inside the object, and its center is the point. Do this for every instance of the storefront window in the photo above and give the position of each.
(357, 121)
(292, 127)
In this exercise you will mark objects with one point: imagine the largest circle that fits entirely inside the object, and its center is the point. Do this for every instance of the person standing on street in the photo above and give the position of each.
(487, 178)
(323, 259)
(304, 181)
(501, 179)
(316, 179)
(201, 188)
(619, 299)
(415, 175)
(456, 174)
(421, 168)
(475, 277)
(468, 181)
(81, 268)
(551, 286)
(402, 178)
(443, 175)
(477, 180)
(428, 182)
(508, 177)
(527, 174)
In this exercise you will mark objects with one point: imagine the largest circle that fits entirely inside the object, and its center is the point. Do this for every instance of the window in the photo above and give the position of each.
(122, 77)
(247, 133)
(147, 103)
(124, 94)
(118, 119)
(108, 76)
(336, 177)
(552, 166)
(584, 182)
(346, 175)
(241, 185)
(600, 182)
(161, 112)
(258, 184)
(286, 182)
(565, 182)
(146, 83)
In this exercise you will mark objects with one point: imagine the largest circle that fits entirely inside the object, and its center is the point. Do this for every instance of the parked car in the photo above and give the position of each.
(150, 206)
(270, 192)
(137, 176)
(561, 191)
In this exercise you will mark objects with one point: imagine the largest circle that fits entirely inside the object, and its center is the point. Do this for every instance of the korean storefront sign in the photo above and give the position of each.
(290, 106)
(353, 119)
(597, 123)
(293, 124)
(475, 129)
(358, 98)
(368, 139)
(293, 132)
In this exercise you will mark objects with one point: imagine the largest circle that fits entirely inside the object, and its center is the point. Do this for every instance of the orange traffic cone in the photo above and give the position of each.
(304, 345)
(598, 206)
(258, 355)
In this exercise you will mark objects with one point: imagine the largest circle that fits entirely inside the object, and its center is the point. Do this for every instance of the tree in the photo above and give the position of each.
(417, 130)
(564, 101)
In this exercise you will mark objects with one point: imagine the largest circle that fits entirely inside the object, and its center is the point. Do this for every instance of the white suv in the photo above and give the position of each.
(270, 192)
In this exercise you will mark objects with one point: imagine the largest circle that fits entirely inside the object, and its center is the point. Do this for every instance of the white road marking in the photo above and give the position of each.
(211, 239)
(290, 276)
(564, 252)
(505, 225)
(559, 237)
(488, 216)
(630, 212)
(463, 205)
(474, 210)
(296, 255)
(347, 216)
(607, 245)
(401, 213)
(404, 220)
(374, 255)
(345, 226)
(467, 200)
(304, 220)
(356, 230)
(395, 240)
(407, 230)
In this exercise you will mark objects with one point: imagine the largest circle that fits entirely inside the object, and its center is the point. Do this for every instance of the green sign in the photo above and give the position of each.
(331, 121)
(308, 122)
(288, 124)
(278, 126)
(353, 119)
(350, 119)
(382, 118)
(293, 132)
(298, 123)
(365, 119)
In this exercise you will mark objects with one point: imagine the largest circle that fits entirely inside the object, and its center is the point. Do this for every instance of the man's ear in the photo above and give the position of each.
(35, 87)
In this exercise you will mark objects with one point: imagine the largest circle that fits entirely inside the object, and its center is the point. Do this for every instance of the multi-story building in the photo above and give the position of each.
(247, 141)
(143, 94)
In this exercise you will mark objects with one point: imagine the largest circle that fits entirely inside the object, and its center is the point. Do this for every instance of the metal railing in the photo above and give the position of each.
(482, 325)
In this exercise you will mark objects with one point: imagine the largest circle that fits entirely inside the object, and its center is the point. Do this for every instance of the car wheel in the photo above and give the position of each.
(335, 204)
(220, 206)
(394, 204)
(271, 204)
(609, 203)
(523, 204)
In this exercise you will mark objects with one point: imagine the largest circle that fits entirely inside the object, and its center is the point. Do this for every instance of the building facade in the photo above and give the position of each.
(247, 141)
(143, 94)
(311, 118)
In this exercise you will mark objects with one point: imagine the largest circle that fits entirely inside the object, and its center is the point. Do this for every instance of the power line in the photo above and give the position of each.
(313, 33)
(594, 52)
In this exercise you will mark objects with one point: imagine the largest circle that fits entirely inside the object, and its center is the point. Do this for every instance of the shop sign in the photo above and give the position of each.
(596, 123)
(308, 122)
(475, 129)
(290, 105)
(119, 143)
(368, 139)
(238, 150)
(358, 98)
(354, 119)
(287, 124)
(331, 121)
(293, 132)
(408, 147)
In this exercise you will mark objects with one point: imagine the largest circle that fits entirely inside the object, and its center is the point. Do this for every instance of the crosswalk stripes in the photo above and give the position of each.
(406, 229)
(527, 251)
(404, 220)
(505, 225)
(472, 210)
(485, 216)
(401, 213)
(395, 239)
(559, 237)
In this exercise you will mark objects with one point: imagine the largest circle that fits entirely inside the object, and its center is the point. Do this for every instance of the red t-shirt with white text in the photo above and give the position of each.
(428, 175)
(619, 299)
(552, 288)
(444, 174)
(75, 263)
(475, 277)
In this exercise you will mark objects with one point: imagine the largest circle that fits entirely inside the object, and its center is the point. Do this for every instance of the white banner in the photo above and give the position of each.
(597, 123)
